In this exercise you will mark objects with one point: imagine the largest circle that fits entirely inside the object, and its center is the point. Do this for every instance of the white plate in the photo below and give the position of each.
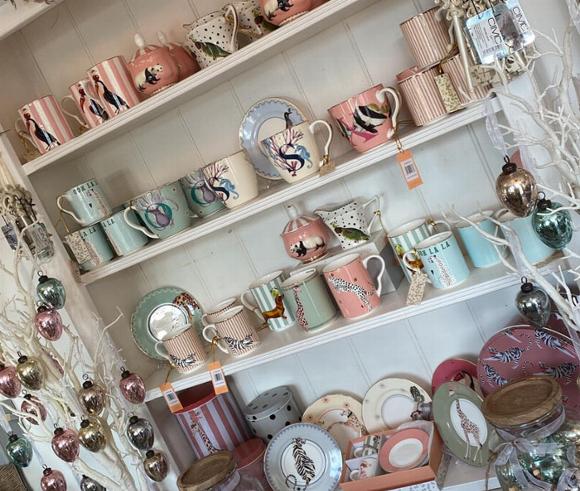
(389, 403)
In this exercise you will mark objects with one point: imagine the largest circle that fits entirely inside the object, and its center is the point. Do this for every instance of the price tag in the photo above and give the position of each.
(409, 169)
(171, 397)
(486, 37)
(218, 378)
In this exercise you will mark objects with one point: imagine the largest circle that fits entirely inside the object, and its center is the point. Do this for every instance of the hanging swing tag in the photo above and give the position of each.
(417, 288)
(448, 93)
(171, 397)
(218, 378)
(409, 169)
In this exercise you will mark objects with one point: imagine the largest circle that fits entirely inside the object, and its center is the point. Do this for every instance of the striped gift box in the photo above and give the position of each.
(211, 422)
(421, 94)
(454, 68)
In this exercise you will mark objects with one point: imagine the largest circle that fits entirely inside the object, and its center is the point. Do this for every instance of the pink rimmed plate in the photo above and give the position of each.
(404, 450)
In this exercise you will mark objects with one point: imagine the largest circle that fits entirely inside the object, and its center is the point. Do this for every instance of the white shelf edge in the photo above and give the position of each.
(13, 19)
(343, 328)
(348, 165)
(203, 81)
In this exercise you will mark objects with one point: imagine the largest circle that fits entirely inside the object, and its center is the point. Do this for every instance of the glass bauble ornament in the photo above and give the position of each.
(92, 397)
(92, 435)
(132, 387)
(32, 405)
(140, 433)
(30, 372)
(10, 385)
(88, 484)
(66, 444)
(52, 480)
(554, 228)
(517, 190)
(155, 465)
(48, 323)
(534, 304)
(51, 291)
(19, 450)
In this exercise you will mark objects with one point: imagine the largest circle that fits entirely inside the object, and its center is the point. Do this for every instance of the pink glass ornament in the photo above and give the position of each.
(48, 322)
(52, 480)
(132, 387)
(31, 405)
(10, 385)
(66, 444)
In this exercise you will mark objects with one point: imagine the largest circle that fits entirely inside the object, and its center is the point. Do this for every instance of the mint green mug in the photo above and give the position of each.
(88, 203)
(89, 247)
(124, 238)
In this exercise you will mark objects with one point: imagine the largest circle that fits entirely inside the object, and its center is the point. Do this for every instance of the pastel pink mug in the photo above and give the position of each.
(367, 119)
(352, 286)
(87, 102)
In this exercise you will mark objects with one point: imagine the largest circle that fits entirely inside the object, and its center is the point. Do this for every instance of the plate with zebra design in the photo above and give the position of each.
(303, 457)
(522, 351)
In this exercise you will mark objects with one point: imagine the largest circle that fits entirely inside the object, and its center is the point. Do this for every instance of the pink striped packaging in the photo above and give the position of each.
(211, 422)
(235, 329)
(421, 94)
(87, 102)
(427, 38)
(112, 82)
(45, 124)
(454, 68)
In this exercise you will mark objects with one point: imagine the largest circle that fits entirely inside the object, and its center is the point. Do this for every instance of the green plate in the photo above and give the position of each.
(461, 424)
(167, 306)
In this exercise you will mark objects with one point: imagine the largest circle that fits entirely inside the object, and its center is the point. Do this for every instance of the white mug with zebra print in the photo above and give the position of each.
(235, 331)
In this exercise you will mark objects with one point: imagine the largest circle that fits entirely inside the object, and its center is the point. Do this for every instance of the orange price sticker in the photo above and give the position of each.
(171, 397)
(218, 378)
(409, 169)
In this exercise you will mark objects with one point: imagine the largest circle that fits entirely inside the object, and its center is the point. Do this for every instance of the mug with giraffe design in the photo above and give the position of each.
(442, 260)
(355, 292)
(309, 300)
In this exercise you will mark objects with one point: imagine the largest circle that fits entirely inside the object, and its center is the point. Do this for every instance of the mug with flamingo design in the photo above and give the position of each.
(367, 119)
(112, 82)
(235, 329)
(163, 210)
(352, 286)
(269, 302)
(83, 94)
(294, 151)
(44, 124)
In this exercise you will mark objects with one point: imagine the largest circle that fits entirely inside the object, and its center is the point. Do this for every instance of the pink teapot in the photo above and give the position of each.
(152, 68)
(305, 237)
(186, 63)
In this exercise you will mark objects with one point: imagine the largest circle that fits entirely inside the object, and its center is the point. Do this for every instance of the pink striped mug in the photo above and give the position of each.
(235, 331)
(87, 102)
(184, 350)
(45, 125)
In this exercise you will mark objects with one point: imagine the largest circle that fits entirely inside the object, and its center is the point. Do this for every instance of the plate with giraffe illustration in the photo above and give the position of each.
(303, 457)
(461, 424)
(340, 415)
(520, 351)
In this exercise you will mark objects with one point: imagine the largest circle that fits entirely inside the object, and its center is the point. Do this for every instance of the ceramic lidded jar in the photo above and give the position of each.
(186, 62)
(152, 68)
(305, 237)
(279, 12)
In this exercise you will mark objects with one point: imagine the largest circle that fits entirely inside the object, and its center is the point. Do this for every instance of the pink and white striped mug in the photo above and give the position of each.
(44, 124)
(87, 102)
(184, 350)
(112, 82)
(235, 330)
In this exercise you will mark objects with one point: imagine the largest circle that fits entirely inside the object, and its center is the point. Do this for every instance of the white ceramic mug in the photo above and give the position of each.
(235, 330)
(367, 467)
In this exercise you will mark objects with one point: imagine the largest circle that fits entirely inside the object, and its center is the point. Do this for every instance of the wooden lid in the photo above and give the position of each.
(522, 402)
(207, 472)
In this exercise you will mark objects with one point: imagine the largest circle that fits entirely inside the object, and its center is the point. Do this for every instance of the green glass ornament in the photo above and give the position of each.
(19, 450)
(51, 291)
(554, 228)
(534, 304)
(88, 484)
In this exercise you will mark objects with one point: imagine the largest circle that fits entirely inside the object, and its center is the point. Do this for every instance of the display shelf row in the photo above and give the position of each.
(14, 18)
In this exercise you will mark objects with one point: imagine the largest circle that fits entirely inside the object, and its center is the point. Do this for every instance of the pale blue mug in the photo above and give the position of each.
(482, 252)
(89, 205)
(123, 238)
(442, 260)
(89, 247)
(200, 197)
(533, 248)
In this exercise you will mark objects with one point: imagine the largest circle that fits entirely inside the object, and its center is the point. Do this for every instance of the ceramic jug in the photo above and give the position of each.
(350, 223)
(305, 237)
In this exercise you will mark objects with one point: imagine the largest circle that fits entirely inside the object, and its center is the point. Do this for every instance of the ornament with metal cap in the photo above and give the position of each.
(553, 225)
(30, 372)
(155, 465)
(132, 387)
(92, 397)
(88, 484)
(31, 405)
(533, 304)
(51, 291)
(92, 435)
(517, 190)
(48, 323)
(10, 385)
(140, 433)
(66, 444)
(52, 480)
(19, 450)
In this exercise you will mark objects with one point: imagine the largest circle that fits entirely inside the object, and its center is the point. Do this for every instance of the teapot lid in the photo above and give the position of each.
(142, 48)
(297, 221)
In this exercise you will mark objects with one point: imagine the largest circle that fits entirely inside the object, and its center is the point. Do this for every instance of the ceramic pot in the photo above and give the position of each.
(186, 63)
(279, 12)
(305, 237)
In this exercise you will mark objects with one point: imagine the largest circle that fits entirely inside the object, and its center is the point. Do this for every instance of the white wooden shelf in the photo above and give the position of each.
(13, 19)
(349, 164)
(393, 308)
(463, 477)
(291, 34)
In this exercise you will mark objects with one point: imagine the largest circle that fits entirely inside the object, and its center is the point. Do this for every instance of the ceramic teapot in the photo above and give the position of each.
(305, 237)
(152, 68)
(186, 63)
(279, 12)
(350, 222)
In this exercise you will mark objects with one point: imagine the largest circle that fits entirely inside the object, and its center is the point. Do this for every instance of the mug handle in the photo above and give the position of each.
(382, 97)
(137, 227)
(328, 141)
(354, 475)
(433, 223)
(230, 10)
(211, 327)
(249, 306)
(162, 350)
(407, 263)
(358, 451)
(378, 199)
(74, 116)
(381, 272)
(64, 210)
(23, 132)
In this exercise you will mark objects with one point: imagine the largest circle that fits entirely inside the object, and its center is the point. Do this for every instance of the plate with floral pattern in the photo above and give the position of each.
(340, 415)
(520, 351)
(303, 457)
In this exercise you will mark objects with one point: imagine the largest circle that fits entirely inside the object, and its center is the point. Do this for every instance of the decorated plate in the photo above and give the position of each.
(264, 119)
(404, 450)
(520, 351)
(390, 403)
(161, 313)
(455, 370)
(338, 414)
(461, 424)
(303, 457)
